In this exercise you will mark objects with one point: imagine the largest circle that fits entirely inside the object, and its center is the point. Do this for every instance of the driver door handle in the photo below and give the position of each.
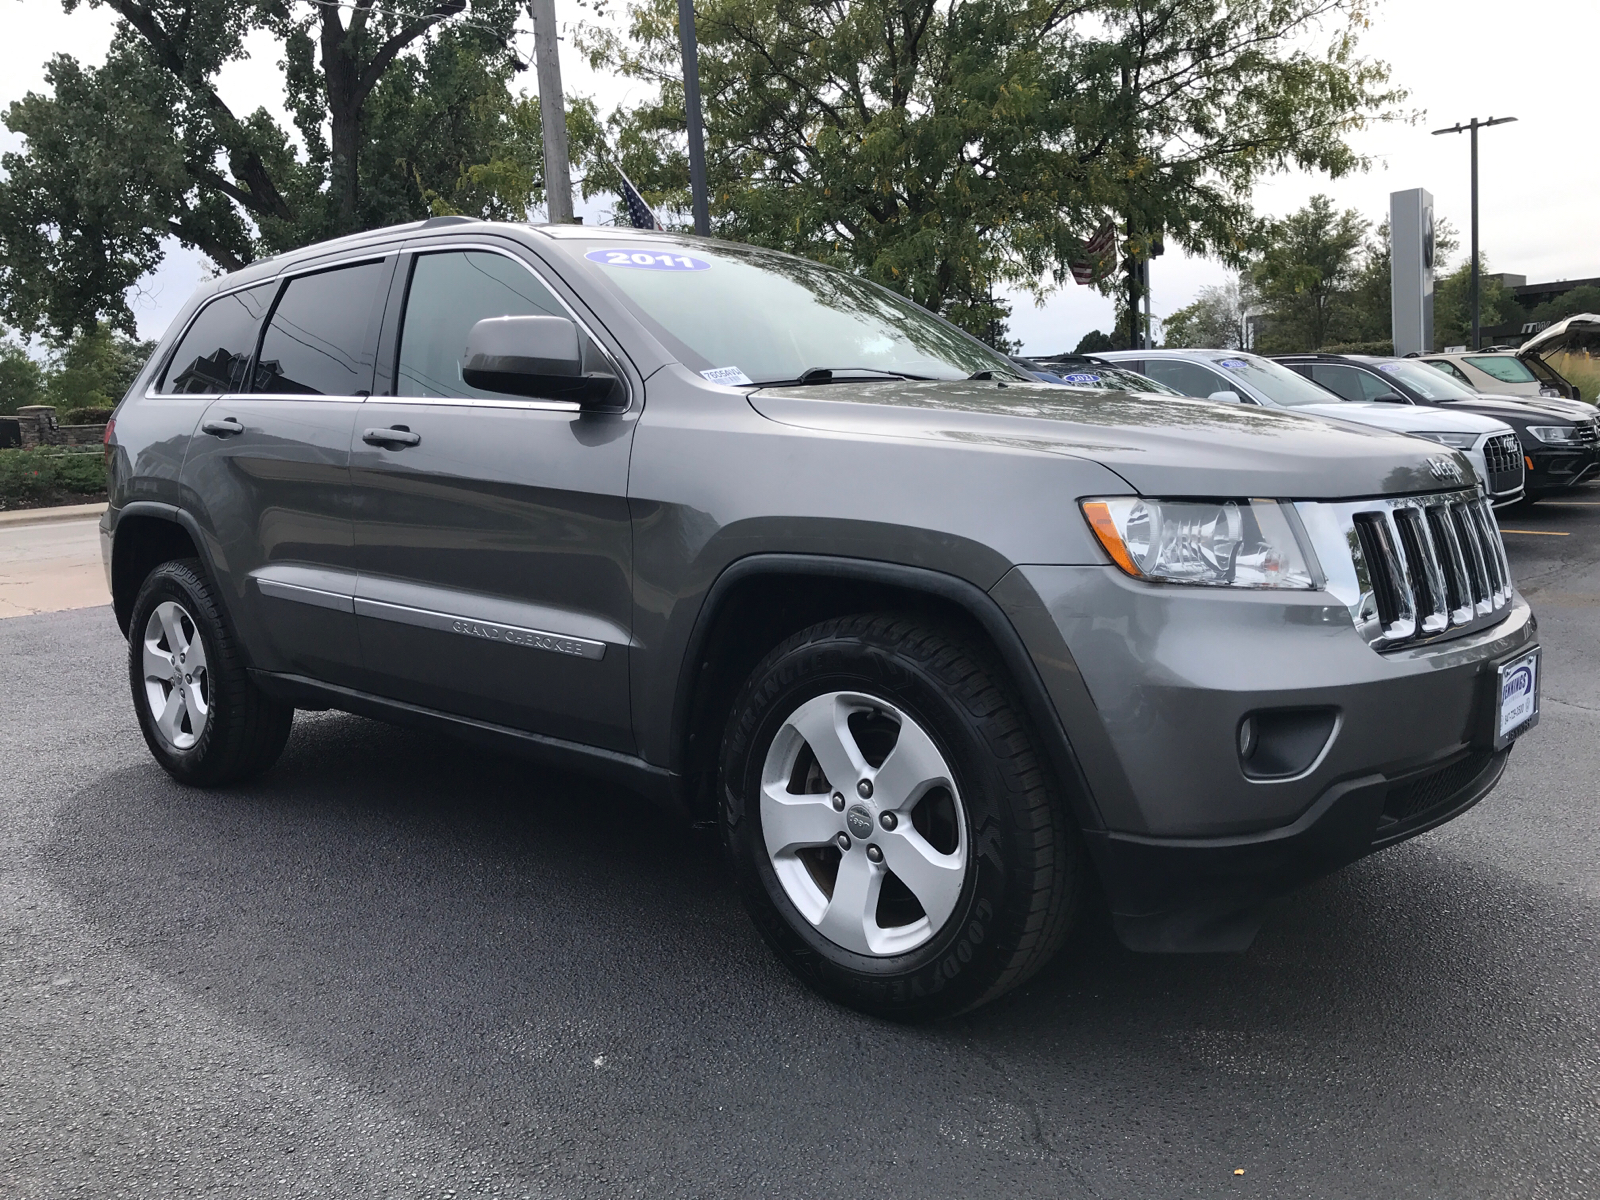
(396, 436)
(222, 427)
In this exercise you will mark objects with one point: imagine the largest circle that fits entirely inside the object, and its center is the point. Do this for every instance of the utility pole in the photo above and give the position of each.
(552, 112)
(1473, 128)
(691, 112)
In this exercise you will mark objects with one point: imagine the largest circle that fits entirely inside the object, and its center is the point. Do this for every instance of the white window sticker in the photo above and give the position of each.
(728, 376)
(1083, 377)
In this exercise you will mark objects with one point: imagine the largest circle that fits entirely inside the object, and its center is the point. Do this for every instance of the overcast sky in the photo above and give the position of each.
(1539, 179)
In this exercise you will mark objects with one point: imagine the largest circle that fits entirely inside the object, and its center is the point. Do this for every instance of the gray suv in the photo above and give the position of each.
(937, 647)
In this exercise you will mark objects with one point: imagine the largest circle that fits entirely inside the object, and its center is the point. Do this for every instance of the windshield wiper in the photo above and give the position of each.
(825, 375)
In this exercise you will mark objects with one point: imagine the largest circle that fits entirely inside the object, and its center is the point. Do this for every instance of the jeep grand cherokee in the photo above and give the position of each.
(937, 646)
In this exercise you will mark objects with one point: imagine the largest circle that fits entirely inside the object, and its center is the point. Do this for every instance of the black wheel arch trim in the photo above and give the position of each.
(173, 515)
(1021, 670)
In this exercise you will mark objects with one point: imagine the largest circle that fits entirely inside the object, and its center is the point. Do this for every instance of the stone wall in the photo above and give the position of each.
(38, 426)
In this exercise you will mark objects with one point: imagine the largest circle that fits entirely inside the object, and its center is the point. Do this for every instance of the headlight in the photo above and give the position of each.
(1222, 543)
(1555, 434)
(1458, 441)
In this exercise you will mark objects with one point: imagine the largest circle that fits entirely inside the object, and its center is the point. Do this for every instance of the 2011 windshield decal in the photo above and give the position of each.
(641, 260)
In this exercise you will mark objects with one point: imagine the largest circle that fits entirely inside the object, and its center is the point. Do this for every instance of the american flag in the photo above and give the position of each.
(1094, 267)
(638, 211)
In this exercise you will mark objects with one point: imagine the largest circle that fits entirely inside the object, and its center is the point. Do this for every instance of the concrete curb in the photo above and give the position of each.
(46, 516)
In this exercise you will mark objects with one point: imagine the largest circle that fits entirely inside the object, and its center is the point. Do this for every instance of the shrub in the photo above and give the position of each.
(40, 474)
(93, 415)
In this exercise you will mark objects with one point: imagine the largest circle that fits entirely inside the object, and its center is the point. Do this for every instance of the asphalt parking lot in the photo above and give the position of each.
(393, 968)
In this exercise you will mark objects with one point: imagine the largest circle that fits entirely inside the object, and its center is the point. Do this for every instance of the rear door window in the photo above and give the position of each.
(1346, 381)
(1189, 378)
(213, 356)
(318, 342)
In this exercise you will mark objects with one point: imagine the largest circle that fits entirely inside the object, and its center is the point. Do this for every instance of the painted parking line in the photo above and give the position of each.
(1539, 532)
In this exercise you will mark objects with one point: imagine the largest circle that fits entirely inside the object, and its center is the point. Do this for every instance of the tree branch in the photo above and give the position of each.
(441, 11)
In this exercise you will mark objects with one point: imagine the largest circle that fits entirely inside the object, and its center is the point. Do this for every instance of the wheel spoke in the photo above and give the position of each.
(196, 661)
(791, 822)
(194, 700)
(172, 626)
(170, 720)
(854, 905)
(824, 723)
(157, 662)
(913, 764)
(934, 878)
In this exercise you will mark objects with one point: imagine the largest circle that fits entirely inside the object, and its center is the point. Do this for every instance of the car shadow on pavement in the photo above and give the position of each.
(553, 969)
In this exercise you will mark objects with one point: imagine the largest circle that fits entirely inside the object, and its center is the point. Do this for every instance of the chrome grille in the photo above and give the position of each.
(1588, 432)
(1413, 568)
(1503, 454)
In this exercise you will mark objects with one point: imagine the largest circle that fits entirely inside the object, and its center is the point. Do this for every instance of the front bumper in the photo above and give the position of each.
(1153, 685)
(1554, 469)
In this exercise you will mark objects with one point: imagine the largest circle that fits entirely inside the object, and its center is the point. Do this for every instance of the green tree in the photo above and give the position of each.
(1306, 274)
(1567, 304)
(1093, 342)
(93, 370)
(1216, 319)
(945, 149)
(395, 105)
(21, 378)
(1452, 305)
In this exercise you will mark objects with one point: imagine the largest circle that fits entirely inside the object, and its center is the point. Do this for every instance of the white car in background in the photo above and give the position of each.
(1503, 373)
(1238, 376)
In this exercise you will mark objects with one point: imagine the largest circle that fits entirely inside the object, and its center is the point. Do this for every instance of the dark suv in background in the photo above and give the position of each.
(934, 646)
(1560, 438)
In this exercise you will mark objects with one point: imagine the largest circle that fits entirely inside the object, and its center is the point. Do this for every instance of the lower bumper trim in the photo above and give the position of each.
(1188, 895)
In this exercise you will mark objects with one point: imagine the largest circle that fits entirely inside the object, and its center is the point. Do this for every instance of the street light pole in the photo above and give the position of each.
(691, 112)
(1472, 128)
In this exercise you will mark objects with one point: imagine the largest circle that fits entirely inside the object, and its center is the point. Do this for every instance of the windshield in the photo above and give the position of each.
(1104, 378)
(741, 315)
(1275, 381)
(1427, 382)
(1504, 368)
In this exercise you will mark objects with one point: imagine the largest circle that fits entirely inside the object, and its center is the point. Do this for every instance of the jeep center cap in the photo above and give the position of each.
(859, 821)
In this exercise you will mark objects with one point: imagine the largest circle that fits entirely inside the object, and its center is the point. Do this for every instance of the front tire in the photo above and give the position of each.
(889, 822)
(205, 722)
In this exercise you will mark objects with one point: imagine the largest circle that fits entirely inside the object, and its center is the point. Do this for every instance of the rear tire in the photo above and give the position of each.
(204, 720)
(938, 871)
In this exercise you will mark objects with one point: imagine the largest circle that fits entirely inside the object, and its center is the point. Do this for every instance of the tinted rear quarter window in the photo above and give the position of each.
(317, 341)
(1504, 368)
(451, 291)
(213, 356)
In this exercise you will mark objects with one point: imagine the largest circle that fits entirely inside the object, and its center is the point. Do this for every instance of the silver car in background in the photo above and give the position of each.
(1490, 445)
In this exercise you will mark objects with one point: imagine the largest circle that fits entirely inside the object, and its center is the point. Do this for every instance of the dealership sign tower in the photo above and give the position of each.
(1411, 270)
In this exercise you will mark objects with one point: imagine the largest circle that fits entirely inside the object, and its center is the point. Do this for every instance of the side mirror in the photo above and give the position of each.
(1228, 396)
(1391, 398)
(535, 356)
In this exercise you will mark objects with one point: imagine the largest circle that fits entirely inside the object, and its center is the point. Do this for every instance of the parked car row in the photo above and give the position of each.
(938, 647)
(1521, 446)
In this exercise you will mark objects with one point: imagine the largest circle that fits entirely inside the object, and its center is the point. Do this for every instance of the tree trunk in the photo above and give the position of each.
(345, 96)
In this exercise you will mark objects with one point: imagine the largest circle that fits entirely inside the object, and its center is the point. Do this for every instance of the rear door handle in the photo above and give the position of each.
(397, 435)
(222, 427)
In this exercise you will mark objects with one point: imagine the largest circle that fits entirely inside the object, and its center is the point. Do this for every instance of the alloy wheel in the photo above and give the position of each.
(177, 685)
(863, 823)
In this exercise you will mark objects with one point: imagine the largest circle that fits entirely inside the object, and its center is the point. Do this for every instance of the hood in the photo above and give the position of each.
(1405, 418)
(1527, 408)
(1160, 445)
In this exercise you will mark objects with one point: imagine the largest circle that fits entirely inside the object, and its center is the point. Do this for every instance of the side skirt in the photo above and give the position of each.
(656, 784)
